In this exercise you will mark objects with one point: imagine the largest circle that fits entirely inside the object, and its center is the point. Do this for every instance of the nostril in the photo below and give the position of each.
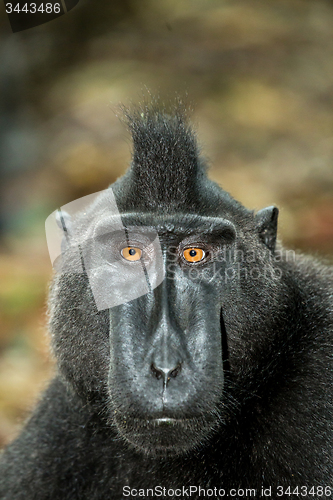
(173, 373)
(165, 373)
(158, 373)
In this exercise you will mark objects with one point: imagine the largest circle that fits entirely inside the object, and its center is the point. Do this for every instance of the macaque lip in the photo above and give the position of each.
(167, 421)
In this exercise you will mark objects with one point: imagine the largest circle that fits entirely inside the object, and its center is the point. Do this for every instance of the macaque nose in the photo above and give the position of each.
(166, 373)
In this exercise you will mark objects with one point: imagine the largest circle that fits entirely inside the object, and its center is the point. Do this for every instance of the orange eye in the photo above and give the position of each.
(131, 253)
(193, 254)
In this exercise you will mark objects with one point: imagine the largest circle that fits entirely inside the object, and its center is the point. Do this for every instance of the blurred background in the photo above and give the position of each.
(259, 77)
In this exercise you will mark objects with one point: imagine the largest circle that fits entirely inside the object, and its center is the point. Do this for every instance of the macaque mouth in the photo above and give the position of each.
(162, 435)
(166, 421)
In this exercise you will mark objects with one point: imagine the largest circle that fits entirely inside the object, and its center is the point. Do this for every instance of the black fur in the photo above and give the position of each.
(247, 400)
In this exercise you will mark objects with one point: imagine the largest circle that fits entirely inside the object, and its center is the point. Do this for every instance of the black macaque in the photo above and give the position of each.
(219, 378)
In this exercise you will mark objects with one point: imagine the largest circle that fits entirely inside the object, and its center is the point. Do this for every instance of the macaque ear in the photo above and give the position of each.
(266, 223)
